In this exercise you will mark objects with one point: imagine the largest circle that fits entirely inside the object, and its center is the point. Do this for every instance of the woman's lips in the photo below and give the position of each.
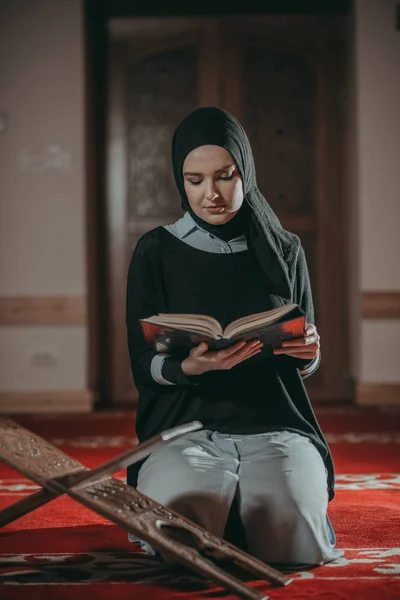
(216, 209)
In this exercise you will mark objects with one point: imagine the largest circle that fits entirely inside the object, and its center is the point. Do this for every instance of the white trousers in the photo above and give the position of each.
(278, 478)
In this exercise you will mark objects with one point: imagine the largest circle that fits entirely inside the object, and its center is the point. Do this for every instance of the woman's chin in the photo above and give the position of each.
(217, 218)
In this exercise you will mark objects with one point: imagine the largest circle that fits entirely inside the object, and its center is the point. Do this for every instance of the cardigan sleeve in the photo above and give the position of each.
(303, 297)
(141, 302)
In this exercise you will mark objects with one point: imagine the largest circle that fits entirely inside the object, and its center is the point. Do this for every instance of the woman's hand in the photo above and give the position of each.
(201, 359)
(306, 347)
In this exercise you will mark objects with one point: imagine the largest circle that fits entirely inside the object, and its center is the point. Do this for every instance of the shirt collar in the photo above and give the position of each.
(188, 225)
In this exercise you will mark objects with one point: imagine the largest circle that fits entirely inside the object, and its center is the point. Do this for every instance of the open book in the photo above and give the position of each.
(174, 332)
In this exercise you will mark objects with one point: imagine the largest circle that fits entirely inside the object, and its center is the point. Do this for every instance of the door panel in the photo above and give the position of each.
(285, 89)
(156, 79)
(152, 115)
(279, 95)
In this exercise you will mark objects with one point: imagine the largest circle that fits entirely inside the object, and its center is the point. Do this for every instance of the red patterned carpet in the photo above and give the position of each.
(65, 551)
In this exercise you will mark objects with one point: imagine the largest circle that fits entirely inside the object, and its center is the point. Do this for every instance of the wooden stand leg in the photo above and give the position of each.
(24, 506)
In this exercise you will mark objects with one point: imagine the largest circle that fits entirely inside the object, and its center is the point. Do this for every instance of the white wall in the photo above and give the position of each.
(42, 214)
(377, 130)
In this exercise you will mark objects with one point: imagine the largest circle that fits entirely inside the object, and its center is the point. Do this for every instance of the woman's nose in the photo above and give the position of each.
(211, 193)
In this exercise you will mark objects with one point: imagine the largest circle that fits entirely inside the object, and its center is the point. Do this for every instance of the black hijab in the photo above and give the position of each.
(272, 246)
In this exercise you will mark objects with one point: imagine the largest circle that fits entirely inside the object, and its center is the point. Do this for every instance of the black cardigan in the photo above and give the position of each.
(162, 273)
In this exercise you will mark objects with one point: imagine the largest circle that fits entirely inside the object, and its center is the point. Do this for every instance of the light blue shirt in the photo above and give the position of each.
(187, 230)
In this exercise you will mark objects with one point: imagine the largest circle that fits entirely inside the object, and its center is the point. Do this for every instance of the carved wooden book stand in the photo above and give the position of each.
(58, 474)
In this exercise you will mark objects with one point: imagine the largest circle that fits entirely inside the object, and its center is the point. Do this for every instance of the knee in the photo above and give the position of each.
(197, 507)
(285, 532)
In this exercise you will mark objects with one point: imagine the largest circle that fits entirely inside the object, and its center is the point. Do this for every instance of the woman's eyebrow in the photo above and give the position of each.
(217, 171)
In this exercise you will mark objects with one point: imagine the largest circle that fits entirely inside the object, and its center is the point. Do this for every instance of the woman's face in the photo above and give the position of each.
(213, 184)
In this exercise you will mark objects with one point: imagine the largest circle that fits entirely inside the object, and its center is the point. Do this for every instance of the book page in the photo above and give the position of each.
(257, 320)
(189, 323)
(274, 333)
(189, 318)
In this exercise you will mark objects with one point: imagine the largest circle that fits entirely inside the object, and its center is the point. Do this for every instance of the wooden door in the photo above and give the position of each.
(281, 78)
(160, 70)
(286, 88)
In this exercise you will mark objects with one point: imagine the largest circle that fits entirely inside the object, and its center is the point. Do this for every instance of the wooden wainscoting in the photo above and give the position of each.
(46, 402)
(43, 310)
(378, 394)
(381, 305)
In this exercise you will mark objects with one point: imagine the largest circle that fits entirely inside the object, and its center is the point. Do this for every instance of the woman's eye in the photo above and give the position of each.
(195, 182)
(227, 177)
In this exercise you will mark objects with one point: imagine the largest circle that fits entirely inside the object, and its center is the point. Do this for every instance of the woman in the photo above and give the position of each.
(261, 448)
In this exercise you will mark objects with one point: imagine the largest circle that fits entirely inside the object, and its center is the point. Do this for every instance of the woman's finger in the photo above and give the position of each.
(200, 349)
(253, 353)
(250, 349)
(232, 362)
(311, 336)
(227, 352)
(298, 350)
(304, 355)
(311, 329)
(299, 342)
(238, 348)
(246, 352)
(250, 346)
